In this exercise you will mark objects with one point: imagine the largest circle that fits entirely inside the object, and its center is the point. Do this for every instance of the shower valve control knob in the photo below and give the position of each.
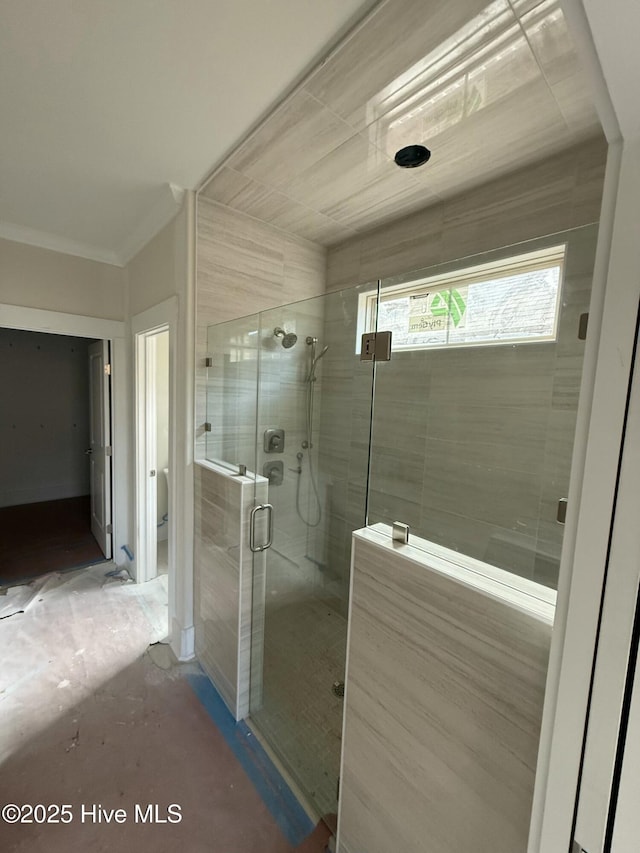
(273, 440)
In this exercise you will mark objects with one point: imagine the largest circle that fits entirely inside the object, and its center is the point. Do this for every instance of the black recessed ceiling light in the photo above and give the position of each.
(412, 156)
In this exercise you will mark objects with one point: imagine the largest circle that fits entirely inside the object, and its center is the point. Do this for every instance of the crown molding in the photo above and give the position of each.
(160, 215)
(56, 243)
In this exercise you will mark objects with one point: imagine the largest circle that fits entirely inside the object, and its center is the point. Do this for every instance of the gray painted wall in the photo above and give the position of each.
(44, 417)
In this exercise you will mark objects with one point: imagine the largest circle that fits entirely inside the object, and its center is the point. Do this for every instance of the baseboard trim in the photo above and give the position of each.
(183, 642)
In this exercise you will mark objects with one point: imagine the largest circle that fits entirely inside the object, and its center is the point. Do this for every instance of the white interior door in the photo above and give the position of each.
(100, 444)
(150, 430)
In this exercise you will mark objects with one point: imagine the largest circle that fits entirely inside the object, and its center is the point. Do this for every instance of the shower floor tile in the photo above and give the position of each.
(301, 718)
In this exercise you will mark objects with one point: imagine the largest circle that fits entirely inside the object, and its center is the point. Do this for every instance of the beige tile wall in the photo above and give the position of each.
(487, 87)
(471, 447)
(445, 688)
(243, 266)
(559, 193)
(223, 583)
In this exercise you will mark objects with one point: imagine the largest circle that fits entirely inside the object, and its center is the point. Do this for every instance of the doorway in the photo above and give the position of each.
(153, 419)
(55, 465)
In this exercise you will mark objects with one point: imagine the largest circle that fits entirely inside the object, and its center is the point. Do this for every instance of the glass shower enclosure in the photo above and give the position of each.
(280, 386)
(466, 435)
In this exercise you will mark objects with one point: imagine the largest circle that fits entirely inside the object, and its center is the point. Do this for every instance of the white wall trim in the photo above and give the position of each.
(152, 223)
(58, 323)
(591, 497)
(54, 322)
(160, 317)
(56, 243)
(145, 444)
(585, 47)
(572, 657)
(183, 641)
(185, 403)
(614, 642)
(552, 813)
(156, 316)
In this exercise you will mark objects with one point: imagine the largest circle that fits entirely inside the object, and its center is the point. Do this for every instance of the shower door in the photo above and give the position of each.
(311, 464)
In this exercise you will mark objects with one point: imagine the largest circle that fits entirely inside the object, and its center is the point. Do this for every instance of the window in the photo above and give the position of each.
(512, 300)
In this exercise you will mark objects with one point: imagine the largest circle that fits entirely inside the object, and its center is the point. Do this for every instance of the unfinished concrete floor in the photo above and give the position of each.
(93, 715)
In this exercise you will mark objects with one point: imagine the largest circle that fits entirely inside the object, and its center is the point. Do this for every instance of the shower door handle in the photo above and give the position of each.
(268, 508)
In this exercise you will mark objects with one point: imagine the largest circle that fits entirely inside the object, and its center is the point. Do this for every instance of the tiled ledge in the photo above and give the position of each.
(523, 594)
(243, 479)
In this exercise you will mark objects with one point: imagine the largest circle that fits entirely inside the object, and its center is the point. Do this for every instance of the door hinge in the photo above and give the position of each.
(582, 327)
(108, 528)
(375, 346)
(108, 451)
(208, 362)
(207, 427)
(107, 370)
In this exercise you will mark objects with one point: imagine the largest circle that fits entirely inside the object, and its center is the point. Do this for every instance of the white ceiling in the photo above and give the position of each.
(109, 107)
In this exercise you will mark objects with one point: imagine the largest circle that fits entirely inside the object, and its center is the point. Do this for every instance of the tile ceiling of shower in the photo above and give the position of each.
(488, 88)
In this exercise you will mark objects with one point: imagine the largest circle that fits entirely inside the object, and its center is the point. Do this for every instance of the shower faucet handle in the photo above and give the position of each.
(273, 440)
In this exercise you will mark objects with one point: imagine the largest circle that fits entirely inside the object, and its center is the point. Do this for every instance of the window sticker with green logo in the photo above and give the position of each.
(433, 312)
(510, 300)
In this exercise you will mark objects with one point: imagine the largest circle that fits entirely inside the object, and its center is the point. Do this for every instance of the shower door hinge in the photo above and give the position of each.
(561, 514)
(208, 362)
(108, 528)
(582, 327)
(107, 370)
(400, 532)
(375, 346)
(108, 451)
(207, 426)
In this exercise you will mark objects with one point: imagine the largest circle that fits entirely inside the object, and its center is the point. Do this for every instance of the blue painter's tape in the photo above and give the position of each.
(294, 823)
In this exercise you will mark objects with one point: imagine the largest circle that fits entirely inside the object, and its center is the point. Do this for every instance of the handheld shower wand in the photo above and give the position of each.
(307, 443)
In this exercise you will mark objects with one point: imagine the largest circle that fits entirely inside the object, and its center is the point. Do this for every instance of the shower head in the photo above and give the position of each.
(288, 338)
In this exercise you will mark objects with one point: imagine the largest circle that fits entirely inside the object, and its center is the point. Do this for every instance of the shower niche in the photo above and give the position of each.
(465, 435)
